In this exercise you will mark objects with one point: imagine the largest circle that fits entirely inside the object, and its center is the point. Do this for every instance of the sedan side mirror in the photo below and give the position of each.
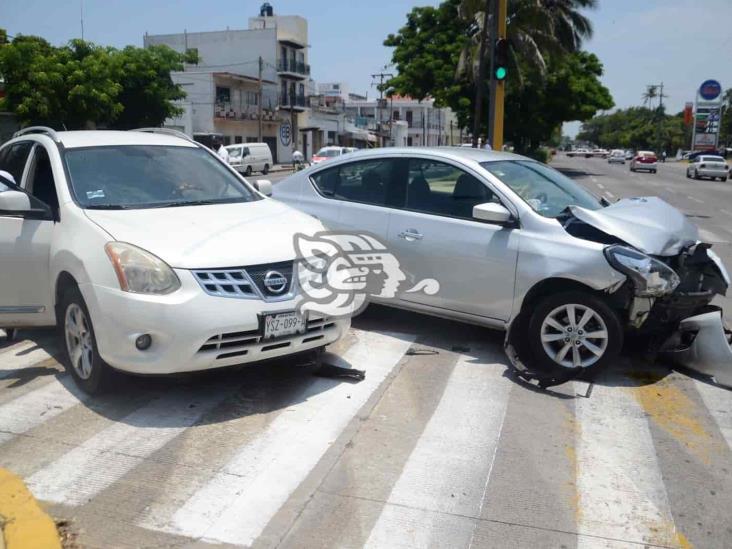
(14, 202)
(264, 186)
(7, 176)
(492, 212)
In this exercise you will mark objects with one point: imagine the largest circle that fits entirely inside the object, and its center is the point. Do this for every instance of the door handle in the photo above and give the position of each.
(411, 234)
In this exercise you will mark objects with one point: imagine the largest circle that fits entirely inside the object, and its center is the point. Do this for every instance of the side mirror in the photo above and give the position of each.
(264, 186)
(14, 202)
(492, 213)
(7, 176)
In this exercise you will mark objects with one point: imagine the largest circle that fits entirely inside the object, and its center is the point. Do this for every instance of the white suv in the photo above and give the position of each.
(151, 255)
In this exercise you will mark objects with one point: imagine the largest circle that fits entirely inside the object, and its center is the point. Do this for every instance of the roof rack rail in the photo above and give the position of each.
(50, 132)
(166, 131)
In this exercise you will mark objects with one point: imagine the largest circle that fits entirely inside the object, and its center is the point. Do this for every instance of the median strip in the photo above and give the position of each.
(24, 523)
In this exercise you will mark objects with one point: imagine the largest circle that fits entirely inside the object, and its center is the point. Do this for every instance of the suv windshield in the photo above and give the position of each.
(136, 176)
(547, 191)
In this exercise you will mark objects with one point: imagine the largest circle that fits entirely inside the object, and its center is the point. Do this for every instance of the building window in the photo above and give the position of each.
(409, 141)
(409, 118)
(223, 95)
(227, 140)
(396, 115)
(237, 139)
(331, 138)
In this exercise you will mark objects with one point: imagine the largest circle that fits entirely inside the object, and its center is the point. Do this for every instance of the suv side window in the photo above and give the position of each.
(14, 157)
(367, 181)
(40, 182)
(442, 189)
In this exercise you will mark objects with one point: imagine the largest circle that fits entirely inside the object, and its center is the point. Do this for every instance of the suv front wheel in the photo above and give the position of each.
(574, 331)
(90, 372)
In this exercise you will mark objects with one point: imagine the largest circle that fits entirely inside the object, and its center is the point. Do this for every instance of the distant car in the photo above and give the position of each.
(616, 156)
(600, 153)
(579, 152)
(248, 157)
(330, 152)
(629, 154)
(711, 166)
(644, 160)
(693, 155)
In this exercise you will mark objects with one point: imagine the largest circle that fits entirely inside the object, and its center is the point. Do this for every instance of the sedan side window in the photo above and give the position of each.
(368, 181)
(14, 157)
(442, 189)
(41, 183)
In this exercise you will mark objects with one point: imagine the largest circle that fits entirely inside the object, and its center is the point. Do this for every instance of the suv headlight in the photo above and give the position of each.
(140, 272)
(651, 277)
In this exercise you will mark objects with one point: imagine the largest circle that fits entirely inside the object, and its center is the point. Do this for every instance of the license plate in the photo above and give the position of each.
(283, 324)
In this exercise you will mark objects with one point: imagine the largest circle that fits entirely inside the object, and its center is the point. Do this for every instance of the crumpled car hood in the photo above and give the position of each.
(649, 224)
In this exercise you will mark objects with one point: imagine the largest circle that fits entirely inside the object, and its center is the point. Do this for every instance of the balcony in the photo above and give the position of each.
(293, 68)
(227, 111)
(293, 101)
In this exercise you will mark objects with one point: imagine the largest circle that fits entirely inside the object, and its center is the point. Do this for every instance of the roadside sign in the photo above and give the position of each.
(710, 90)
(707, 114)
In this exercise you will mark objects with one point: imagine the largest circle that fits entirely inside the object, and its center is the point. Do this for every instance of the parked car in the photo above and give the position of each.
(616, 156)
(629, 154)
(709, 166)
(579, 152)
(250, 157)
(600, 153)
(149, 253)
(536, 250)
(644, 160)
(330, 152)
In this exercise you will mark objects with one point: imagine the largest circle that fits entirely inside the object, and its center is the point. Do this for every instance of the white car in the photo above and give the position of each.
(616, 156)
(515, 245)
(644, 160)
(711, 166)
(150, 254)
(327, 153)
(246, 158)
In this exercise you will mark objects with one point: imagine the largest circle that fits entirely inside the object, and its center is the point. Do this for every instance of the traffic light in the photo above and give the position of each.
(500, 59)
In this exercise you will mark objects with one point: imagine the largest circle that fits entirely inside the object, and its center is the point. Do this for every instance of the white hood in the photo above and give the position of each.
(216, 236)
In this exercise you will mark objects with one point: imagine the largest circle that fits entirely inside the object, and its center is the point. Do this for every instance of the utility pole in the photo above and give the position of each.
(498, 87)
(381, 76)
(259, 102)
(659, 114)
(478, 109)
(81, 13)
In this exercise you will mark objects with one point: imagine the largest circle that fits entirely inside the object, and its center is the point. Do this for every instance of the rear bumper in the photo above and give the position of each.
(645, 166)
(706, 172)
(702, 344)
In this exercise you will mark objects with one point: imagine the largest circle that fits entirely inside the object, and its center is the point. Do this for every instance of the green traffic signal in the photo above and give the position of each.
(500, 59)
(501, 73)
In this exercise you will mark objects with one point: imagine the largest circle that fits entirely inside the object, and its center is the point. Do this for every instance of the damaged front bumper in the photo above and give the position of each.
(702, 344)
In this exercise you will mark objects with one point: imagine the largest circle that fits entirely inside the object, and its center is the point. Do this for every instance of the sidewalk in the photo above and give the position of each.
(281, 168)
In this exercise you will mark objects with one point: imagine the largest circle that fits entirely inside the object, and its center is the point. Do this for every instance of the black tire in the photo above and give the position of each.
(248, 171)
(724, 179)
(99, 379)
(653, 171)
(687, 175)
(696, 175)
(546, 306)
(265, 171)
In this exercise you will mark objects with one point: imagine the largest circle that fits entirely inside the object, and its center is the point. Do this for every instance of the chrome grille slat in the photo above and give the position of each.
(245, 282)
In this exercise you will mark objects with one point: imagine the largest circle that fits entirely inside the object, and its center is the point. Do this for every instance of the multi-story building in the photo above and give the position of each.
(427, 125)
(223, 88)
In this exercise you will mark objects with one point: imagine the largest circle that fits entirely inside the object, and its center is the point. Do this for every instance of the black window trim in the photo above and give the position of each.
(30, 165)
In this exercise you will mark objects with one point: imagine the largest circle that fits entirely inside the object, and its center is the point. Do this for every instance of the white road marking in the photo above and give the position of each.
(21, 355)
(594, 180)
(30, 410)
(694, 199)
(710, 237)
(601, 186)
(445, 478)
(610, 195)
(719, 403)
(86, 470)
(240, 500)
(621, 494)
(725, 212)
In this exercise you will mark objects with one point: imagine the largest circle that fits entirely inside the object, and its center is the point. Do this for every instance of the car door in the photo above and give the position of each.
(25, 241)
(358, 195)
(435, 236)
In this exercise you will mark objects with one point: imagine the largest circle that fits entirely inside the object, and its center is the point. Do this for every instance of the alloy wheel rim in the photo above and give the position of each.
(574, 336)
(78, 341)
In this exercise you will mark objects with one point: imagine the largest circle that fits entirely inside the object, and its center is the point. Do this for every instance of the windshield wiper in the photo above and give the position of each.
(181, 204)
(108, 207)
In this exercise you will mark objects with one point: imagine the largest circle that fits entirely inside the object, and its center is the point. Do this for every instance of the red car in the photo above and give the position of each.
(644, 160)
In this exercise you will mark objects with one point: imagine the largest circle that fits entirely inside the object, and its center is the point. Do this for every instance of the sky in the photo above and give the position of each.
(678, 42)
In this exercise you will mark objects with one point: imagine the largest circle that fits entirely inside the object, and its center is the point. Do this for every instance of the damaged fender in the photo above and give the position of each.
(702, 344)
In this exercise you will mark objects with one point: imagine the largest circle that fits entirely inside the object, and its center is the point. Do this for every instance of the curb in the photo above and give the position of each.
(25, 525)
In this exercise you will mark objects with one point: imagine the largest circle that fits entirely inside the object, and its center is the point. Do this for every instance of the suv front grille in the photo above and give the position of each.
(249, 282)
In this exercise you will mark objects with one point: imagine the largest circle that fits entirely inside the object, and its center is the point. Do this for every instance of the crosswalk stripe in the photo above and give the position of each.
(21, 355)
(239, 501)
(719, 403)
(86, 470)
(620, 489)
(27, 411)
(445, 477)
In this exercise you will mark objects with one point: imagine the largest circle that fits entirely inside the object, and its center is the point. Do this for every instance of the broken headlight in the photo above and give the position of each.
(651, 277)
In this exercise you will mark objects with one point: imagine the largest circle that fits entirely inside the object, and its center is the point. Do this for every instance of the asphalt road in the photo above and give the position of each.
(438, 447)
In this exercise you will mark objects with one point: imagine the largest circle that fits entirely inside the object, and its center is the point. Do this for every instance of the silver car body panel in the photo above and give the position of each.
(649, 224)
(709, 352)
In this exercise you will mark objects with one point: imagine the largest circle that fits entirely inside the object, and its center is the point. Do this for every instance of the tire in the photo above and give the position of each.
(93, 375)
(603, 320)
(724, 179)
(653, 171)
(687, 175)
(248, 171)
(265, 171)
(696, 175)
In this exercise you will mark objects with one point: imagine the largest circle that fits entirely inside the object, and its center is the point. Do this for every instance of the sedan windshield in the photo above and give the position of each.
(136, 176)
(547, 191)
(329, 153)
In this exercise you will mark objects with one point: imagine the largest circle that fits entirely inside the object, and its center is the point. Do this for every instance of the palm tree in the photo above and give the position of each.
(650, 94)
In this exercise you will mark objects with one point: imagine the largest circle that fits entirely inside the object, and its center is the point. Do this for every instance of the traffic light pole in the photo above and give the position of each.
(498, 87)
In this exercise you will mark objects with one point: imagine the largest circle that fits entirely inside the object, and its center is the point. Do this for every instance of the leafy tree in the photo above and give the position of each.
(725, 130)
(83, 85)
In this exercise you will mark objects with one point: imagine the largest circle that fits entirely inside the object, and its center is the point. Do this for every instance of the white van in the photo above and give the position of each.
(250, 157)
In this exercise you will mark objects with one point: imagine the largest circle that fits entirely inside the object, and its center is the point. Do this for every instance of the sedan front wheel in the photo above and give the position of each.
(574, 331)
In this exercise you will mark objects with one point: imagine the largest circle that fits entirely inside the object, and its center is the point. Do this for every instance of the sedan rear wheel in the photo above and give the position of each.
(574, 330)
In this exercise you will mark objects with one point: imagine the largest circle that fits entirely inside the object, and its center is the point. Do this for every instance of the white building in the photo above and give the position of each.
(222, 89)
(427, 125)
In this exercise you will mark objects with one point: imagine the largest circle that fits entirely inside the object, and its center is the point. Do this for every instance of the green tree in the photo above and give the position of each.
(725, 130)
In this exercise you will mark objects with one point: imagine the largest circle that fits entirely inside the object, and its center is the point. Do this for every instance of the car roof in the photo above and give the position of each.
(452, 153)
(106, 138)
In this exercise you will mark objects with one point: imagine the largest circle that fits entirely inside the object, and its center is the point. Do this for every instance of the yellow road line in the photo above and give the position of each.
(24, 523)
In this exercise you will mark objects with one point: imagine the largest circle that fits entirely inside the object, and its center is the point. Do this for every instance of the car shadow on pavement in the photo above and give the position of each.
(573, 173)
